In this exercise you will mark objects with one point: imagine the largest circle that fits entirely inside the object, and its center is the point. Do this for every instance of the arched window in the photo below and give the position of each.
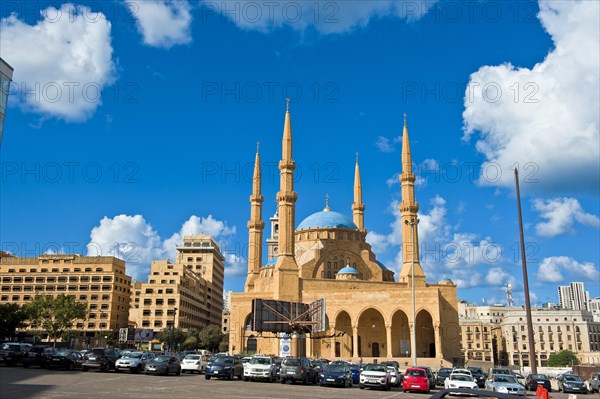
(329, 265)
(347, 261)
(328, 274)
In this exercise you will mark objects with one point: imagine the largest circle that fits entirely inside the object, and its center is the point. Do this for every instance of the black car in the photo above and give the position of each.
(337, 375)
(430, 376)
(533, 380)
(38, 356)
(12, 353)
(224, 367)
(478, 375)
(102, 359)
(163, 365)
(442, 374)
(298, 369)
(65, 359)
(571, 383)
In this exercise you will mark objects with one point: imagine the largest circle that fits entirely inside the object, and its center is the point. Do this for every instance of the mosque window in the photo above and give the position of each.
(328, 274)
(329, 265)
(335, 265)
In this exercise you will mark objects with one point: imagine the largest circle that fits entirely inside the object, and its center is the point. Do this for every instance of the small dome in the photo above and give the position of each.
(328, 219)
(348, 270)
(383, 267)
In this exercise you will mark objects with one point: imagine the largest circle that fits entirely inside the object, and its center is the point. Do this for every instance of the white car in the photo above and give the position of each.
(505, 383)
(133, 361)
(463, 381)
(192, 363)
(375, 376)
(260, 368)
(462, 371)
(394, 376)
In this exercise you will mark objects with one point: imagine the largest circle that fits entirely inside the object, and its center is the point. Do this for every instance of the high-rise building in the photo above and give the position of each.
(187, 293)
(100, 281)
(6, 73)
(573, 296)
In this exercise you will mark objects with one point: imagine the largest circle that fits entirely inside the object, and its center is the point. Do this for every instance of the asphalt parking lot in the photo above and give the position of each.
(20, 383)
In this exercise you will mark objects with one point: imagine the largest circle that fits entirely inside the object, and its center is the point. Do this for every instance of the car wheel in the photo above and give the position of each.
(305, 380)
(246, 379)
(282, 380)
(207, 376)
(178, 372)
(83, 368)
(70, 367)
(361, 386)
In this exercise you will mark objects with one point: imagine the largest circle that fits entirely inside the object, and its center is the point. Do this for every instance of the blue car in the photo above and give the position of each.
(337, 375)
(355, 369)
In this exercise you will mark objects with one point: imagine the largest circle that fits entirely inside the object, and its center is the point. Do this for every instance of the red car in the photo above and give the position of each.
(415, 379)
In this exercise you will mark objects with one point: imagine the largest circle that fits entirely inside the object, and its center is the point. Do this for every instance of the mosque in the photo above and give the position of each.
(369, 314)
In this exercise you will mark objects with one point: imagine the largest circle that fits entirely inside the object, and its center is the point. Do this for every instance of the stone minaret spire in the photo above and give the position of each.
(408, 209)
(255, 226)
(358, 208)
(286, 274)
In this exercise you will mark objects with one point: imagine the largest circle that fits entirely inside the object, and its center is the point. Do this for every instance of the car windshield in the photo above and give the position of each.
(375, 367)
(475, 370)
(161, 359)
(96, 352)
(291, 362)
(63, 353)
(461, 377)
(192, 357)
(444, 372)
(506, 379)
(572, 378)
(226, 360)
(416, 373)
(133, 355)
(539, 377)
(391, 369)
(336, 368)
(354, 367)
(11, 347)
(260, 360)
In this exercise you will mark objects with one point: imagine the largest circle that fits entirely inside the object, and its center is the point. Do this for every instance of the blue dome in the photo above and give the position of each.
(348, 270)
(381, 265)
(329, 219)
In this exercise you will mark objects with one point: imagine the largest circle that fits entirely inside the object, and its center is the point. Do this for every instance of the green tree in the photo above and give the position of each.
(12, 317)
(562, 359)
(210, 337)
(172, 337)
(224, 344)
(55, 315)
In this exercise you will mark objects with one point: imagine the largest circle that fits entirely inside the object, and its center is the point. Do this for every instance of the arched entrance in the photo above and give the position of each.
(343, 343)
(251, 344)
(371, 328)
(400, 335)
(425, 335)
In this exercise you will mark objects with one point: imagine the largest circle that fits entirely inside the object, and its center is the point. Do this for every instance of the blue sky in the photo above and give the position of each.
(131, 124)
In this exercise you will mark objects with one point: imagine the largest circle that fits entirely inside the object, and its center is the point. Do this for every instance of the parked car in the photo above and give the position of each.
(571, 383)
(11, 353)
(519, 378)
(430, 376)
(337, 375)
(498, 370)
(462, 381)
(37, 355)
(505, 383)
(134, 361)
(461, 371)
(415, 379)
(260, 368)
(355, 370)
(298, 369)
(103, 359)
(533, 380)
(65, 359)
(224, 367)
(478, 375)
(442, 374)
(392, 363)
(163, 365)
(593, 383)
(277, 360)
(395, 379)
(375, 376)
(193, 363)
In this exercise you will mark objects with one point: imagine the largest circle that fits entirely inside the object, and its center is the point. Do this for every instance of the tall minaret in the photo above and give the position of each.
(408, 209)
(255, 227)
(358, 208)
(286, 282)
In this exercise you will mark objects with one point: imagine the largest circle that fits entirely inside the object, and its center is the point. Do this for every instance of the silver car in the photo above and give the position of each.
(133, 361)
(505, 383)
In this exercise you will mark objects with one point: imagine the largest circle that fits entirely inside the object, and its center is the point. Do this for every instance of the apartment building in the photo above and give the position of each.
(100, 281)
(499, 334)
(185, 294)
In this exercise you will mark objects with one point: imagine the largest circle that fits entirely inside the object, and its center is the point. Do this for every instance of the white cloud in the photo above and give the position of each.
(379, 242)
(544, 118)
(554, 268)
(134, 240)
(387, 145)
(326, 16)
(163, 23)
(61, 63)
(498, 276)
(561, 214)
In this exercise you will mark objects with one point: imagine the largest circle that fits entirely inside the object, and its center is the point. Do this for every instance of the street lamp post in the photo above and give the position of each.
(413, 336)
(172, 344)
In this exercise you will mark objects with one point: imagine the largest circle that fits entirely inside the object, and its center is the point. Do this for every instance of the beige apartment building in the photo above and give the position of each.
(100, 281)
(187, 293)
(499, 334)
